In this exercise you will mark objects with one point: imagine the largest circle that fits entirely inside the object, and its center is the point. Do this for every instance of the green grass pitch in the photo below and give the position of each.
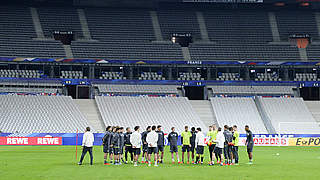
(58, 162)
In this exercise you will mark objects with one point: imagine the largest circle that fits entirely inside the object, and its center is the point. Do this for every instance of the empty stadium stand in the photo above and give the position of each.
(173, 20)
(131, 111)
(239, 111)
(40, 114)
(129, 34)
(293, 115)
(131, 50)
(89, 108)
(291, 22)
(59, 19)
(314, 107)
(17, 35)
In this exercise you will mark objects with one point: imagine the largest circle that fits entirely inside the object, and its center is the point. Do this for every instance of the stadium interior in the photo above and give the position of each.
(66, 65)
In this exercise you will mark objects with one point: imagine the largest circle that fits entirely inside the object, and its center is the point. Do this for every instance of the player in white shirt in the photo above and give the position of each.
(152, 140)
(135, 140)
(199, 145)
(220, 145)
(87, 143)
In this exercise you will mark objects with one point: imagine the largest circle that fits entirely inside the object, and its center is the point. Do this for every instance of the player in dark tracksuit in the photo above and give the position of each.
(121, 143)
(127, 144)
(173, 140)
(160, 143)
(116, 144)
(227, 147)
(249, 143)
(145, 145)
(193, 142)
(106, 141)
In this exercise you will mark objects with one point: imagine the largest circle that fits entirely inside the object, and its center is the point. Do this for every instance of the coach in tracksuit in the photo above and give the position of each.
(121, 143)
(87, 143)
(173, 140)
(160, 143)
(127, 144)
(116, 144)
(227, 147)
(106, 142)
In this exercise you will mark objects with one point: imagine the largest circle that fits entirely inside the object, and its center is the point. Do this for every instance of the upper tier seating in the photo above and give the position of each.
(128, 34)
(60, 19)
(16, 35)
(296, 22)
(249, 26)
(178, 21)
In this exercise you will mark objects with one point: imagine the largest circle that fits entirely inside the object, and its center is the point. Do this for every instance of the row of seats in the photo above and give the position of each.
(33, 83)
(151, 76)
(112, 75)
(229, 76)
(73, 75)
(21, 73)
(267, 77)
(189, 76)
(253, 90)
(154, 89)
(29, 90)
(306, 77)
(144, 111)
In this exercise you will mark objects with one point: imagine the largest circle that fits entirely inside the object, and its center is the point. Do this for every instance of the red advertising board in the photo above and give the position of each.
(30, 140)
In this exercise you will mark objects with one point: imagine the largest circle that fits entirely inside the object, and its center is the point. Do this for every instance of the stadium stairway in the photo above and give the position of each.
(266, 120)
(204, 110)
(89, 109)
(314, 107)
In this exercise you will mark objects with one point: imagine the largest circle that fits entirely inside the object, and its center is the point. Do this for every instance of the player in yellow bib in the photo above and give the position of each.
(235, 143)
(212, 134)
(185, 141)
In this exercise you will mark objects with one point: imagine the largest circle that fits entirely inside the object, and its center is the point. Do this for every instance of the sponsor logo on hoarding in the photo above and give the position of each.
(312, 141)
(30, 140)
